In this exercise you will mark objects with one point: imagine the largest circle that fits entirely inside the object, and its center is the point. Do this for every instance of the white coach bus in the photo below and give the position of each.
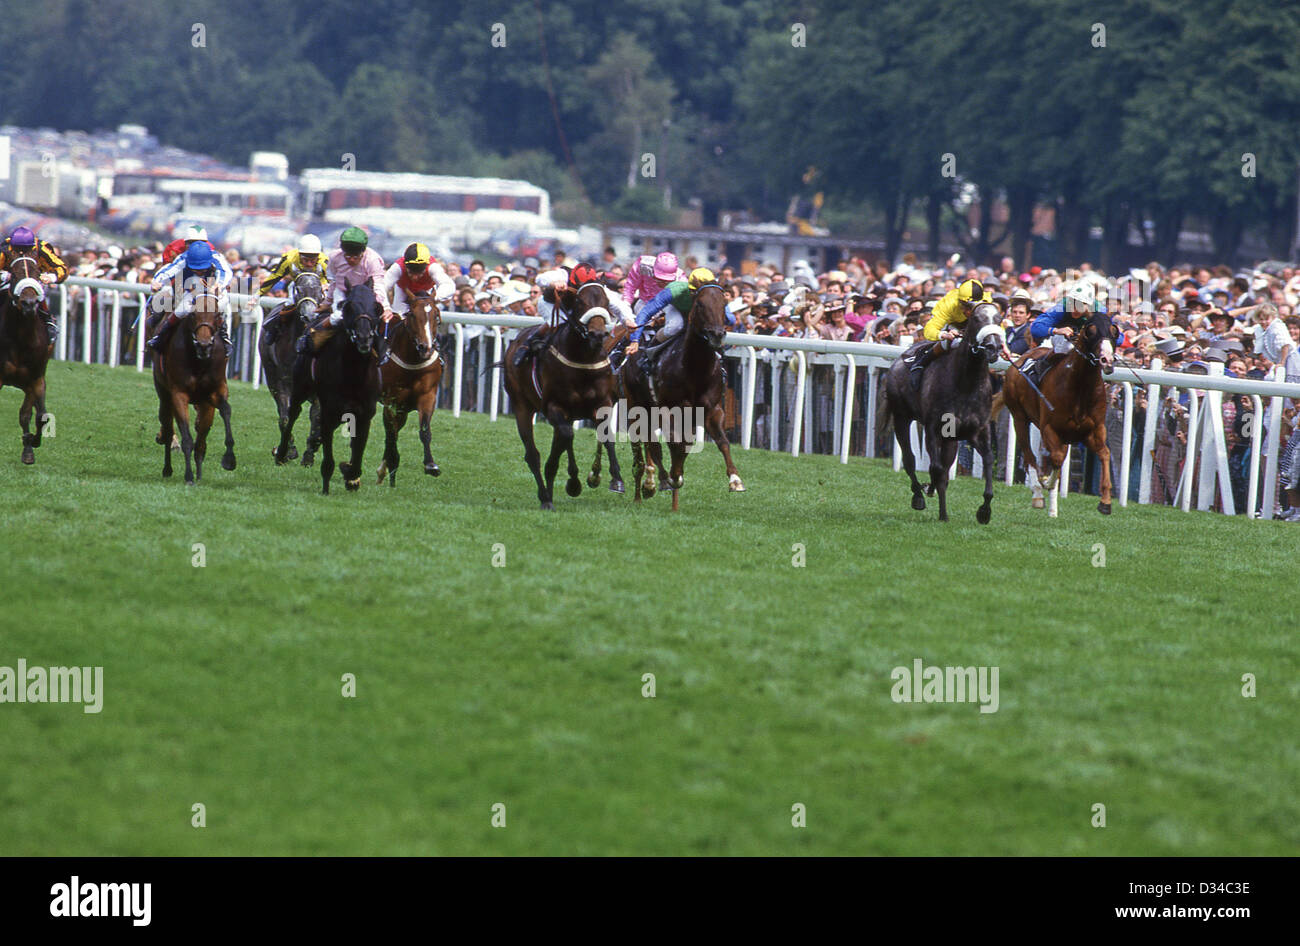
(463, 211)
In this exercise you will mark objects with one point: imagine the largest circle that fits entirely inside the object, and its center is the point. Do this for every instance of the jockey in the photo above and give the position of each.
(350, 265)
(1056, 326)
(580, 276)
(417, 273)
(953, 309)
(197, 269)
(675, 301)
(307, 258)
(648, 278)
(23, 242)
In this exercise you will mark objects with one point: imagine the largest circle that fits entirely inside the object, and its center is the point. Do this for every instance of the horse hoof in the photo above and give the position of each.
(29, 456)
(308, 458)
(1037, 503)
(159, 439)
(352, 485)
(573, 488)
(345, 468)
(592, 480)
(929, 489)
(734, 484)
(293, 453)
(432, 469)
(548, 506)
(228, 462)
(918, 502)
(648, 491)
(983, 515)
(1103, 508)
(383, 471)
(616, 486)
(167, 471)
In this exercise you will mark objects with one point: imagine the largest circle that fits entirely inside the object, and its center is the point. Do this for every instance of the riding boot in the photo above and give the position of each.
(271, 328)
(224, 334)
(530, 349)
(51, 325)
(159, 337)
(919, 362)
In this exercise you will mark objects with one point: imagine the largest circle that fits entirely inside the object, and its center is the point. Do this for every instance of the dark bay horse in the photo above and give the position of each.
(25, 348)
(570, 380)
(278, 355)
(689, 383)
(410, 381)
(344, 378)
(191, 370)
(953, 404)
(1071, 408)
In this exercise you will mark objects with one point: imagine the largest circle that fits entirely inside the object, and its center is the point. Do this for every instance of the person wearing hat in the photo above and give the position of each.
(675, 301)
(1059, 323)
(864, 310)
(24, 243)
(648, 278)
(1018, 338)
(1221, 324)
(178, 246)
(198, 274)
(939, 332)
(305, 258)
(417, 273)
(353, 263)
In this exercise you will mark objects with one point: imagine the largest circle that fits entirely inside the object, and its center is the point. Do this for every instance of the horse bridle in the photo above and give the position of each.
(435, 316)
(580, 321)
(316, 297)
(22, 283)
(194, 326)
(700, 330)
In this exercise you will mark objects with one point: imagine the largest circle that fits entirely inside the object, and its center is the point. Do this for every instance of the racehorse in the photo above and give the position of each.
(1070, 409)
(278, 355)
(344, 379)
(953, 404)
(191, 370)
(569, 380)
(689, 381)
(25, 348)
(410, 381)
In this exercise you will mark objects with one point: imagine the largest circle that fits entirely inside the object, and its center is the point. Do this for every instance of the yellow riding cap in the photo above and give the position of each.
(951, 309)
(417, 254)
(700, 277)
(972, 290)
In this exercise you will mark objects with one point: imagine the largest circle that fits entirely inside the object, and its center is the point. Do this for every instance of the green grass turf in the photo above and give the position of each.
(522, 684)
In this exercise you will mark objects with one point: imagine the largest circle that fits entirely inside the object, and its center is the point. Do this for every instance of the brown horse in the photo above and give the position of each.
(278, 355)
(191, 370)
(689, 382)
(1070, 409)
(410, 381)
(25, 348)
(570, 380)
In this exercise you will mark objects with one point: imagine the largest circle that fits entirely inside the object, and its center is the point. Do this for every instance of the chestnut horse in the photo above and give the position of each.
(25, 348)
(410, 381)
(689, 381)
(570, 380)
(191, 370)
(344, 377)
(278, 356)
(1070, 409)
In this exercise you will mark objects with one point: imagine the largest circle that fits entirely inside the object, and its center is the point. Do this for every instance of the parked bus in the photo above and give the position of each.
(463, 211)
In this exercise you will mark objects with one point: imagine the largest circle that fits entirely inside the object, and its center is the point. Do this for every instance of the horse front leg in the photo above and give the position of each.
(223, 407)
(286, 430)
(352, 469)
(677, 472)
(593, 478)
(181, 411)
(984, 444)
(942, 452)
(574, 485)
(314, 435)
(204, 414)
(24, 421)
(713, 423)
(388, 466)
(329, 422)
(1097, 444)
(524, 421)
(1032, 477)
(561, 442)
(282, 399)
(903, 434)
(638, 468)
(1055, 451)
(426, 433)
(165, 432)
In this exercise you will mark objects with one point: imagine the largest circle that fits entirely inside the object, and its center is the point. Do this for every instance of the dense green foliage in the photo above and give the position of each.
(522, 684)
(736, 100)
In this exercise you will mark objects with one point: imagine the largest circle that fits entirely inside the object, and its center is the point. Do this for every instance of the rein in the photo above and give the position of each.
(592, 366)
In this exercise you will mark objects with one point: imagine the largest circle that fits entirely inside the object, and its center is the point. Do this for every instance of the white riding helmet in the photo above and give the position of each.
(309, 243)
(1082, 294)
(195, 233)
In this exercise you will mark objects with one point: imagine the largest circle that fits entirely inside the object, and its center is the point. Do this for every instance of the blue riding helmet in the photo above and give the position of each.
(199, 257)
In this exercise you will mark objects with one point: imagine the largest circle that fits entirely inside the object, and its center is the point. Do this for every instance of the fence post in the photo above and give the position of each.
(85, 329)
(495, 398)
(457, 371)
(850, 381)
(1149, 437)
(747, 416)
(63, 324)
(1126, 458)
(1274, 434)
(1256, 440)
(797, 433)
(141, 330)
(116, 328)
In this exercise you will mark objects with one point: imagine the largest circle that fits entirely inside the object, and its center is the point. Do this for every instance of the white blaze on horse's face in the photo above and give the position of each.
(1107, 353)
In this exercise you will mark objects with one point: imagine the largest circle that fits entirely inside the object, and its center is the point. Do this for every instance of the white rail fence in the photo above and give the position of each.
(115, 305)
